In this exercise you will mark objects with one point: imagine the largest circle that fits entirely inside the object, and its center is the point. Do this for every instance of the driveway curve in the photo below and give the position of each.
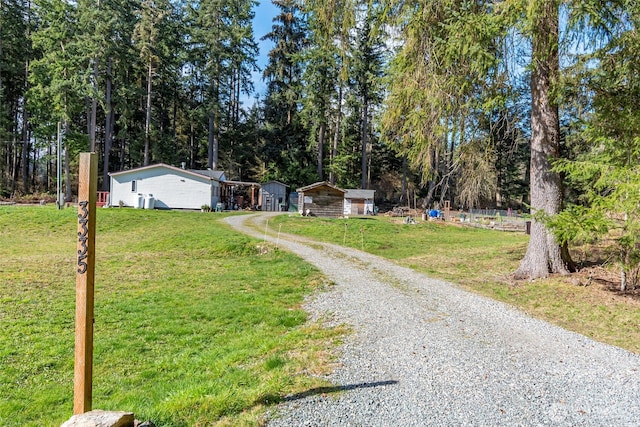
(426, 353)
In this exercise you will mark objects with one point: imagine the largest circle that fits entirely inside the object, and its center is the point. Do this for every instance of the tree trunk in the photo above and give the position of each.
(34, 175)
(26, 148)
(433, 182)
(321, 137)
(94, 108)
(214, 141)
(214, 124)
(365, 143)
(456, 135)
(237, 96)
(108, 137)
(68, 194)
(15, 162)
(192, 146)
(123, 153)
(403, 187)
(147, 123)
(25, 136)
(336, 136)
(210, 142)
(544, 255)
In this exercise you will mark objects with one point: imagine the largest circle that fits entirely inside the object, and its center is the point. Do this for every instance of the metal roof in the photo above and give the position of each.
(359, 194)
(217, 175)
(275, 182)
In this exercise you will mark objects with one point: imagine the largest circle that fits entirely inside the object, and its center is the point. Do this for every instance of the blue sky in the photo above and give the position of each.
(262, 22)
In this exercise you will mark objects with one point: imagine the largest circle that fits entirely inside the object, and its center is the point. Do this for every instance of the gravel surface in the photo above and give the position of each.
(426, 353)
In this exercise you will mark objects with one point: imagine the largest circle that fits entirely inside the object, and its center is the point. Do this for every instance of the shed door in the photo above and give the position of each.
(347, 207)
(357, 207)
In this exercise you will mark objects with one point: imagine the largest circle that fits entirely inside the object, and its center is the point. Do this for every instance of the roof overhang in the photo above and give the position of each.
(199, 174)
(320, 184)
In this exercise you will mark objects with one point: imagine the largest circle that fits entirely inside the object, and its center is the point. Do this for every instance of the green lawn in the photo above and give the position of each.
(198, 325)
(194, 325)
(481, 261)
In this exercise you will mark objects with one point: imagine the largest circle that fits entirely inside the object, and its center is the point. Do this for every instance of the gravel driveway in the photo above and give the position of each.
(426, 353)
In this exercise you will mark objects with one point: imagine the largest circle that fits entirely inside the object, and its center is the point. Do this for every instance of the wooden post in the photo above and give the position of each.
(85, 272)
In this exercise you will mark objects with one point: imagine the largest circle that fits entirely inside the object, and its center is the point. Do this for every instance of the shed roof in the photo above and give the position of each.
(319, 184)
(275, 182)
(216, 175)
(359, 194)
(246, 183)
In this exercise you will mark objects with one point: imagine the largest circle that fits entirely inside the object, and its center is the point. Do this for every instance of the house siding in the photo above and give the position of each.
(358, 207)
(170, 188)
(359, 202)
(272, 195)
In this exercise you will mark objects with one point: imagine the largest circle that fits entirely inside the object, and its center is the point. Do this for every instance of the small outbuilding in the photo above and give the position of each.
(273, 196)
(167, 187)
(321, 199)
(359, 202)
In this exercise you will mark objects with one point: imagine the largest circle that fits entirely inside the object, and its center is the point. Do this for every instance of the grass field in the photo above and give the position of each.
(481, 261)
(194, 326)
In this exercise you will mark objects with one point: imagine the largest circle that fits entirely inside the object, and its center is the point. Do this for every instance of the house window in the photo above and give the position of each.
(134, 186)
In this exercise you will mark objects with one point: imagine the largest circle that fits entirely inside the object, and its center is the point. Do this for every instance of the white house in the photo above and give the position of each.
(359, 202)
(165, 187)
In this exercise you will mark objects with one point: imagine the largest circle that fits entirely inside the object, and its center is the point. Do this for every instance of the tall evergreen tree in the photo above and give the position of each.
(284, 151)
(463, 40)
(119, 56)
(90, 40)
(224, 51)
(149, 36)
(438, 82)
(367, 62)
(605, 173)
(544, 255)
(106, 43)
(15, 53)
(283, 72)
(242, 64)
(328, 20)
(57, 93)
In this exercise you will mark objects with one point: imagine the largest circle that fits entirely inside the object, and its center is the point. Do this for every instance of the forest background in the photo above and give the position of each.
(531, 105)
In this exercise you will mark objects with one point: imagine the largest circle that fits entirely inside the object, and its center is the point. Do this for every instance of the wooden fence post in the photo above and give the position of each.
(85, 274)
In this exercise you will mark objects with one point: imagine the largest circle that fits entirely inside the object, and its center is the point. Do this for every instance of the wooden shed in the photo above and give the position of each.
(321, 199)
(273, 196)
(359, 202)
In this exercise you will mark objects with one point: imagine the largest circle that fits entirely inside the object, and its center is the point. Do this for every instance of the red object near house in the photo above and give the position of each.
(102, 198)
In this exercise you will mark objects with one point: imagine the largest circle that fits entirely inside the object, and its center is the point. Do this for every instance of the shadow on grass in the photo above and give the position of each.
(274, 399)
